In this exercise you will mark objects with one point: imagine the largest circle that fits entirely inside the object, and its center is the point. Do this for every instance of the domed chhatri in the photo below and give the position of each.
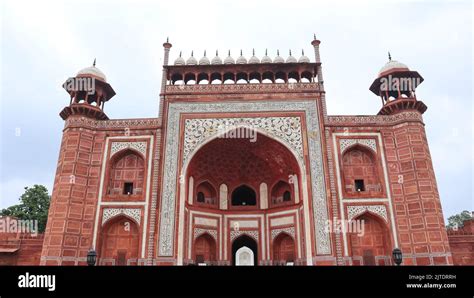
(241, 59)
(396, 85)
(92, 71)
(266, 59)
(291, 59)
(179, 60)
(88, 91)
(204, 60)
(278, 59)
(191, 60)
(216, 59)
(254, 59)
(229, 59)
(303, 58)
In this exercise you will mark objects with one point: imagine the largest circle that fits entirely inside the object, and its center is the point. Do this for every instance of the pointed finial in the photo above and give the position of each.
(93, 64)
(314, 36)
(204, 53)
(192, 53)
(253, 52)
(278, 52)
(217, 53)
(302, 52)
(167, 39)
(266, 52)
(389, 57)
(290, 52)
(180, 53)
(240, 52)
(229, 52)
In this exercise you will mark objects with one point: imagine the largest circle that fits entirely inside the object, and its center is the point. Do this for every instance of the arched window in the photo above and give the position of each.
(126, 176)
(206, 194)
(360, 172)
(281, 193)
(244, 196)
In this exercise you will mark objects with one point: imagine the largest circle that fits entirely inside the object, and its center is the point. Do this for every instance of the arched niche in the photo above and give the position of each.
(205, 250)
(206, 194)
(282, 194)
(360, 172)
(369, 240)
(120, 241)
(126, 174)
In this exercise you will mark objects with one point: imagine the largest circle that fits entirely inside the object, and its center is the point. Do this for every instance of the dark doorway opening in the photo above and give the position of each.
(244, 196)
(246, 241)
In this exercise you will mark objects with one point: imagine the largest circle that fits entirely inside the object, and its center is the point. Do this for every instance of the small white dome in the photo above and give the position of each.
(278, 59)
(266, 59)
(392, 64)
(191, 60)
(291, 59)
(254, 59)
(204, 60)
(179, 60)
(92, 71)
(303, 58)
(216, 59)
(241, 59)
(229, 59)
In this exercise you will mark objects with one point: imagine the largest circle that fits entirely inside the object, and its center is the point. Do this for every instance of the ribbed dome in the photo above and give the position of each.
(204, 60)
(254, 59)
(191, 60)
(229, 59)
(241, 59)
(278, 59)
(179, 60)
(92, 71)
(303, 58)
(291, 59)
(266, 59)
(216, 59)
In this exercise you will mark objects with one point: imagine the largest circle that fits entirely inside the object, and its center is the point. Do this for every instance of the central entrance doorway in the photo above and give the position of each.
(244, 251)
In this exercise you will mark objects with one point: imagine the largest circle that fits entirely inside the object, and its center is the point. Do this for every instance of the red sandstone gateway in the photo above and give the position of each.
(298, 187)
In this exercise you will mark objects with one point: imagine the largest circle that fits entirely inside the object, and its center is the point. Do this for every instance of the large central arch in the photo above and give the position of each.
(305, 121)
(241, 166)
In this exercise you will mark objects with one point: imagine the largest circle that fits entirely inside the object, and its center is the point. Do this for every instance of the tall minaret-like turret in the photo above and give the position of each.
(167, 46)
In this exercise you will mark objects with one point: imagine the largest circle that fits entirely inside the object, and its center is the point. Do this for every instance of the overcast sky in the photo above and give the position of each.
(45, 42)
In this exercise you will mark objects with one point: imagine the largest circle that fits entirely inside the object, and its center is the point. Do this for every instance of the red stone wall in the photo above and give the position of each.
(418, 215)
(20, 249)
(68, 234)
(462, 244)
